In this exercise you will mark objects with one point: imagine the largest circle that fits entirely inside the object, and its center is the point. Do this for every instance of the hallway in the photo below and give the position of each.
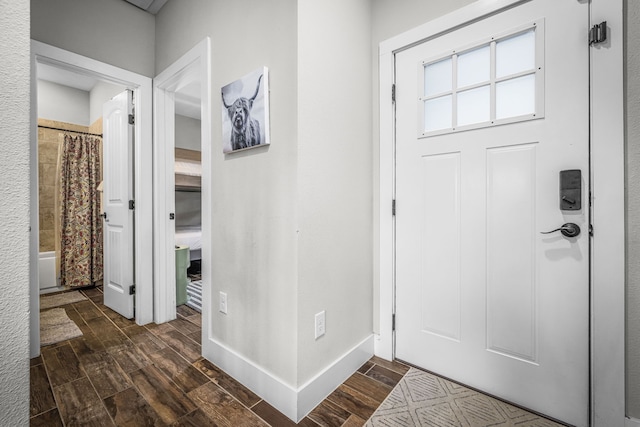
(119, 373)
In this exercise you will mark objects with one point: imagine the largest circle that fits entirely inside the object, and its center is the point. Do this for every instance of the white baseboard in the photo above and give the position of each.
(632, 422)
(293, 402)
(274, 390)
(319, 387)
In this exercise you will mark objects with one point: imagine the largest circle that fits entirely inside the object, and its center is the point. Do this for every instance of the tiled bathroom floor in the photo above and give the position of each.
(119, 373)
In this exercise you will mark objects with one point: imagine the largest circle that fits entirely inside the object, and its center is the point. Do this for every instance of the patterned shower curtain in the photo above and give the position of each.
(80, 222)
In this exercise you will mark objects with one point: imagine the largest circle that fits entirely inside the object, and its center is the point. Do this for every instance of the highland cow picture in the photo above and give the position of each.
(245, 112)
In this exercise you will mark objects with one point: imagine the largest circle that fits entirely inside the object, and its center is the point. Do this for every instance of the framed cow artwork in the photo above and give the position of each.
(245, 112)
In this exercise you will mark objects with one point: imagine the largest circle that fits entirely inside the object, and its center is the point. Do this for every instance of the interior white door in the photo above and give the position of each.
(117, 191)
(487, 116)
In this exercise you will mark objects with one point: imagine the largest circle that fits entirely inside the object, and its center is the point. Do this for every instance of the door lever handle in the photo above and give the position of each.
(568, 230)
(104, 216)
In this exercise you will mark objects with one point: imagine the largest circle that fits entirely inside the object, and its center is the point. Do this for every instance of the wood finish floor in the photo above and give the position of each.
(119, 373)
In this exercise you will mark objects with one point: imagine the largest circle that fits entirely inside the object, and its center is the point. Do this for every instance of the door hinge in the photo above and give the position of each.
(393, 92)
(132, 205)
(598, 33)
(393, 322)
(132, 119)
(393, 207)
(132, 290)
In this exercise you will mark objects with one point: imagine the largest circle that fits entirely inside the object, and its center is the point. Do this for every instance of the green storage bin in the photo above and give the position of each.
(182, 263)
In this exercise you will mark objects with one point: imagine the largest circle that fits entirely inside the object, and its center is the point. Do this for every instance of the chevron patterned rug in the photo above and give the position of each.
(422, 399)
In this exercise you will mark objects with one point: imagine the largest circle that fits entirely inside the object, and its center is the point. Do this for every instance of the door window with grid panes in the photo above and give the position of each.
(493, 82)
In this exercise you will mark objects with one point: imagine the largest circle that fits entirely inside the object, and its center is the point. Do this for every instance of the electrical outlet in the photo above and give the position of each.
(321, 324)
(223, 302)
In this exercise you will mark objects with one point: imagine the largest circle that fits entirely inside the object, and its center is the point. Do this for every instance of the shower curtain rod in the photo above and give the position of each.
(73, 131)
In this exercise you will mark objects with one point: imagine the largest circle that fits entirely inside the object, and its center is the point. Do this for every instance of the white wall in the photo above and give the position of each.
(63, 103)
(633, 207)
(101, 93)
(188, 135)
(334, 179)
(253, 192)
(111, 31)
(14, 211)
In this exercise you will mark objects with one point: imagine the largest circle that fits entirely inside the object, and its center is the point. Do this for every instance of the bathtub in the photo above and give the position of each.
(47, 271)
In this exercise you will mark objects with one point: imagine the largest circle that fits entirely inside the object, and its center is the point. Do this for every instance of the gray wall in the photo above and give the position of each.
(14, 211)
(188, 133)
(188, 203)
(292, 221)
(111, 31)
(63, 103)
(253, 192)
(393, 17)
(633, 206)
(334, 180)
(70, 105)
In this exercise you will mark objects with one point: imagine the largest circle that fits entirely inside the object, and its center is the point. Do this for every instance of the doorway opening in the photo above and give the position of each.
(70, 166)
(182, 184)
(56, 77)
(188, 196)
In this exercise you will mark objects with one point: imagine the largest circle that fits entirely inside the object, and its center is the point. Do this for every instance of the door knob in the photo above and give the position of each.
(104, 215)
(568, 230)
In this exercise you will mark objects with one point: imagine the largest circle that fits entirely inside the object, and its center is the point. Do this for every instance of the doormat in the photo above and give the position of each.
(423, 399)
(55, 326)
(57, 300)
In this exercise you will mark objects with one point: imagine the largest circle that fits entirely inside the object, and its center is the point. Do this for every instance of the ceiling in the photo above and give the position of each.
(151, 6)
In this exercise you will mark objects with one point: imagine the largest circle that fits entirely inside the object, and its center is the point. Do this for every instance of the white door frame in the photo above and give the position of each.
(141, 86)
(194, 65)
(607, 187)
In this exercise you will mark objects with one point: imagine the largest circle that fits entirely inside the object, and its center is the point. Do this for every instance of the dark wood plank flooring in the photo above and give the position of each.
(119, 373)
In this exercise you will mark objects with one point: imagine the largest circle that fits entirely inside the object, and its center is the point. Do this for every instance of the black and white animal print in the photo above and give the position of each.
(245, 130)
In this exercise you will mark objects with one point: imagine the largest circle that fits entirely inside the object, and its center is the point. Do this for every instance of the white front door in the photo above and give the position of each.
(487, 116)
(118, 190)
